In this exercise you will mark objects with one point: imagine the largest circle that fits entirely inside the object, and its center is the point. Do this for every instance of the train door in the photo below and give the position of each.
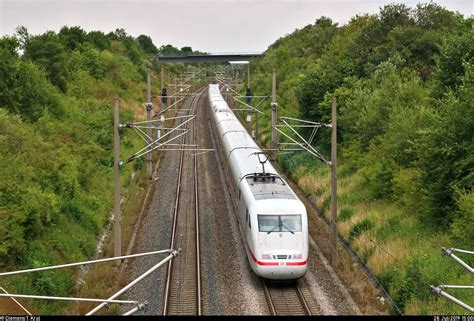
(248, 230)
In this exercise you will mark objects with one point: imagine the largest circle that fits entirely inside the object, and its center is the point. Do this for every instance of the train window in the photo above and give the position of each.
(248, 218)
(247, 215)
(291, 222)
(267, 222)
(279, 223)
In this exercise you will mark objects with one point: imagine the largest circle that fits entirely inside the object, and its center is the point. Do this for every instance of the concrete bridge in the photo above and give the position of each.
(212, 57)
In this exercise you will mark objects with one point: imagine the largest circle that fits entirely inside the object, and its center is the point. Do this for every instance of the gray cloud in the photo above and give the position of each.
(216, 26)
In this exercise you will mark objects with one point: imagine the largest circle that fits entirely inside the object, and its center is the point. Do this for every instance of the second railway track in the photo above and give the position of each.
(286, 298)
(183, 284)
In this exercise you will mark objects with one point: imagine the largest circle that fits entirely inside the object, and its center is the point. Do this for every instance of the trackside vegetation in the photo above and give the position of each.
(404, 83)
(56, 98)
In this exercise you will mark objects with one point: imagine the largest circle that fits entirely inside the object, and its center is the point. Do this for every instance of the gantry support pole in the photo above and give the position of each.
(248, 75)
(149, 107)
(274, 107)
(334, 184)
(117, 220)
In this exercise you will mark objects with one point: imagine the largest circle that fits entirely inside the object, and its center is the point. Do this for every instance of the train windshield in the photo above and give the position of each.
(279, 223)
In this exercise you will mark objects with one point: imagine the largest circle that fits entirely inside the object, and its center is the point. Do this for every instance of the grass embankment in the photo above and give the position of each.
(403, 80)
(56, 165)
(404, 254)
(71, 239)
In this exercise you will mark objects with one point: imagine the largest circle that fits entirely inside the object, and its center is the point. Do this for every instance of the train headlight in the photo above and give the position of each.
(266, 257)
(298, 256)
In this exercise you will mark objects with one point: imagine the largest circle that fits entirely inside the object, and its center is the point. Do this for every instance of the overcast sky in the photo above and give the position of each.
(212, 26)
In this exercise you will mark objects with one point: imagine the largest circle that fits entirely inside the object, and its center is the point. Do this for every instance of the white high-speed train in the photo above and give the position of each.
(271, 217)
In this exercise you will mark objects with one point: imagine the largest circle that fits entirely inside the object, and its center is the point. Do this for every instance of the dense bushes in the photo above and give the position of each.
(403, 80)
(56, 147)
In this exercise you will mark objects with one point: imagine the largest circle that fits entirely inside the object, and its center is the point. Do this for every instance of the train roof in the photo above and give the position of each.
(243, 150)
(271, 187)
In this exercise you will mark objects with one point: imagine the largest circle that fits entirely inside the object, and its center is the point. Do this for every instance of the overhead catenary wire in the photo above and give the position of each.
(139, 307)
(131, 284)
(450, 252)
(154, 142)
(251, 107)
(142, 134)
(139, 154)
(172, 105)
(307, 144)
(303, 147)
(14, 300)
(129, 125)
(439, 291)
(59, 298)
(54, 267)
(306, 121)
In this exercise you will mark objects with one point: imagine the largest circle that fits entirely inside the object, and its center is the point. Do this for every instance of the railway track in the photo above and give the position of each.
(183, 283)
(287, 298)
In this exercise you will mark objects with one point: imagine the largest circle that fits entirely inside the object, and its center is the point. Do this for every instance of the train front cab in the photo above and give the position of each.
(276, 231)
(281, 245)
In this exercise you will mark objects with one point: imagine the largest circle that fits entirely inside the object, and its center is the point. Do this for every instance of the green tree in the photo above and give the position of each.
(72, 37)
(147, 44)
(99, 40)
(458, 50)
(8, 71)
(187, 50)
(48, 51)
(446, 152)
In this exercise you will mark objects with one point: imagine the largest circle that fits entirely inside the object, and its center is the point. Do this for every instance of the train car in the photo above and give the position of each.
(272, 219)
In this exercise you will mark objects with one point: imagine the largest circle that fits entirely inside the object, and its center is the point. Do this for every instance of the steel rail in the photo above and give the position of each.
(166, 300)
(273, 306)
(268, 298)
(303, 300)
(198, 244)
(173, 232)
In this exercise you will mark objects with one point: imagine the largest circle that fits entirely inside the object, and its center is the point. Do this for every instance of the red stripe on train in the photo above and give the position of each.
(275, 263)
(260, 262)
(271, 263)
(297, 263)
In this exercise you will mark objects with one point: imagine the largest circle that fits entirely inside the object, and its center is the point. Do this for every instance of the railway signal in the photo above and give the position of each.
(274, 107)
(149, 108)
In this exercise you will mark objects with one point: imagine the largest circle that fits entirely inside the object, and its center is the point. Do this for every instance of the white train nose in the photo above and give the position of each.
(283, 272)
